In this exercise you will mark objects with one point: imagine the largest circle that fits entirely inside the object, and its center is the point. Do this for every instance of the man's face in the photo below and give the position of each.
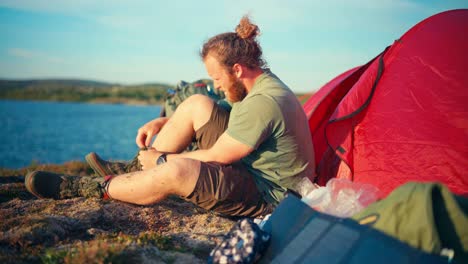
(232, 87)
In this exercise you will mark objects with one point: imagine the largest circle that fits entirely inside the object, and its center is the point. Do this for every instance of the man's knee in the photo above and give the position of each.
(198, 107)
(197, 103)
(182, 175)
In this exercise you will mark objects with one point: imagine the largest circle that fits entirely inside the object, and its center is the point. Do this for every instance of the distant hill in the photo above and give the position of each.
(88, 91)
(9, 84)
(76, 90)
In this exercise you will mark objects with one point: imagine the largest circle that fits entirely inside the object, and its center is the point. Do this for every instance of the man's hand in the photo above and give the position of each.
(147, 132)
(148, 158)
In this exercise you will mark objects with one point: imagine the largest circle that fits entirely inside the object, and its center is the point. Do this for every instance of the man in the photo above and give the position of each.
(248, 158)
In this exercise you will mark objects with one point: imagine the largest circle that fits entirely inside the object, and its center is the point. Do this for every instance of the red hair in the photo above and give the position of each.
(236, 47)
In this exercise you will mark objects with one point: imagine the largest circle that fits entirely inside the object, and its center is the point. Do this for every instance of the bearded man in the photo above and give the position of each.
(248, 158)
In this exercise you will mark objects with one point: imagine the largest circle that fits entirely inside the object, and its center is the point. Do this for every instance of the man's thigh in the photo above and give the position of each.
(228, 190)
(209, 133)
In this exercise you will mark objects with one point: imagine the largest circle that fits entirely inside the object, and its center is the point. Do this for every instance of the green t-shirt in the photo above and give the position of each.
(271, 120)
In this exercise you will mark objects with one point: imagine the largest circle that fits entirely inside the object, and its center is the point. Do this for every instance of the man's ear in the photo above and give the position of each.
(238, 70)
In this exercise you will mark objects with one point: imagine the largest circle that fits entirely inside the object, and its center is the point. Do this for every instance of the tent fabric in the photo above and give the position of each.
(401, 117)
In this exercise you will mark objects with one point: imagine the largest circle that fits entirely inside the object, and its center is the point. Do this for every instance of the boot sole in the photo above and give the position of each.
(43, 184)
(29, 183)
(91, 159)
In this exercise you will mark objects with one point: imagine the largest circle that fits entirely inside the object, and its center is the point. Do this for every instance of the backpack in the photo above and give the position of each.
(184, 90)
(426, 216)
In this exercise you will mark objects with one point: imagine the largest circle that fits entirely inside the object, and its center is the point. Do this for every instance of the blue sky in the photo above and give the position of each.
(305, 42)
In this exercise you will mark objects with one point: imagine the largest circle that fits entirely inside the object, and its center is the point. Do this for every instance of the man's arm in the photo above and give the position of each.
(149, 130)
(226, 150)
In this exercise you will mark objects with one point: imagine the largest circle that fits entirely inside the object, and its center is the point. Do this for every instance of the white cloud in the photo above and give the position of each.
(22, 53)
(214, 15)
(156, 30)
(33, 55)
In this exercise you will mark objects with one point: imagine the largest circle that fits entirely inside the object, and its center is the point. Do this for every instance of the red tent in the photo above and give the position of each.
(401, 117)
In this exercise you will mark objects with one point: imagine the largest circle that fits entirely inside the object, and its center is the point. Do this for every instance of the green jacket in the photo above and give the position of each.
(424, 215)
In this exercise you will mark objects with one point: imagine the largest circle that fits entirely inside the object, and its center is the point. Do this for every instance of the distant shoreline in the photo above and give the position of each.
(84, 91)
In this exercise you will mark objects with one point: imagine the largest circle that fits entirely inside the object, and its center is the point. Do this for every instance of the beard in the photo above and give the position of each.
(237, 91)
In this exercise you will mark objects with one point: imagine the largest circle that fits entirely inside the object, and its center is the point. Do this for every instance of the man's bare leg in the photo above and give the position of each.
(178, 176)
(178, 132)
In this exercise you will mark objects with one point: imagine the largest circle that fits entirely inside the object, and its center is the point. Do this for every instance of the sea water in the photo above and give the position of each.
(56, 132)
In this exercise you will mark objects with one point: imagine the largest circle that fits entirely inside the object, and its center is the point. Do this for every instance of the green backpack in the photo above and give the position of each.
(184, 90)
(426, 216)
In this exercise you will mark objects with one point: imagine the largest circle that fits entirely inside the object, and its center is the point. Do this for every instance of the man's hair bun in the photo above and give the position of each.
(246, 29)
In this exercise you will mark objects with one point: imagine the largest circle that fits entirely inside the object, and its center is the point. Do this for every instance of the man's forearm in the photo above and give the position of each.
(205, 155)
(226, 150)
(162, 120)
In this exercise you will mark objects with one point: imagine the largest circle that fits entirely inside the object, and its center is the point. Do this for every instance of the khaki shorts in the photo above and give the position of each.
(225, 189)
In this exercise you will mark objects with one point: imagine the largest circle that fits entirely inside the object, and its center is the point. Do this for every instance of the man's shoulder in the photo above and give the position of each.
(259, 103)
(269, 94)
(269, 81)
(274, 92)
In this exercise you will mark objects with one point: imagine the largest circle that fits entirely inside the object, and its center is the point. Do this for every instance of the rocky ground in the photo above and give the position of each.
(83, 230)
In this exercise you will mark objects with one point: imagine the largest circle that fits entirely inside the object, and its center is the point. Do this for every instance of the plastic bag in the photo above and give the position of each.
(341, 197)
(305, 186)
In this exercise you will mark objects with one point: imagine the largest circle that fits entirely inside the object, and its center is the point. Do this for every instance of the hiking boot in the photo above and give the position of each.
(104, 168)
(45, 184)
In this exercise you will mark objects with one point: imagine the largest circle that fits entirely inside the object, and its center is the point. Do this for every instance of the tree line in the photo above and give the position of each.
(83, 91)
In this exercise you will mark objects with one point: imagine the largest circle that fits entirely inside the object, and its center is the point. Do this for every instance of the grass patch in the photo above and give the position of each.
(95, 231)
(116, 248)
